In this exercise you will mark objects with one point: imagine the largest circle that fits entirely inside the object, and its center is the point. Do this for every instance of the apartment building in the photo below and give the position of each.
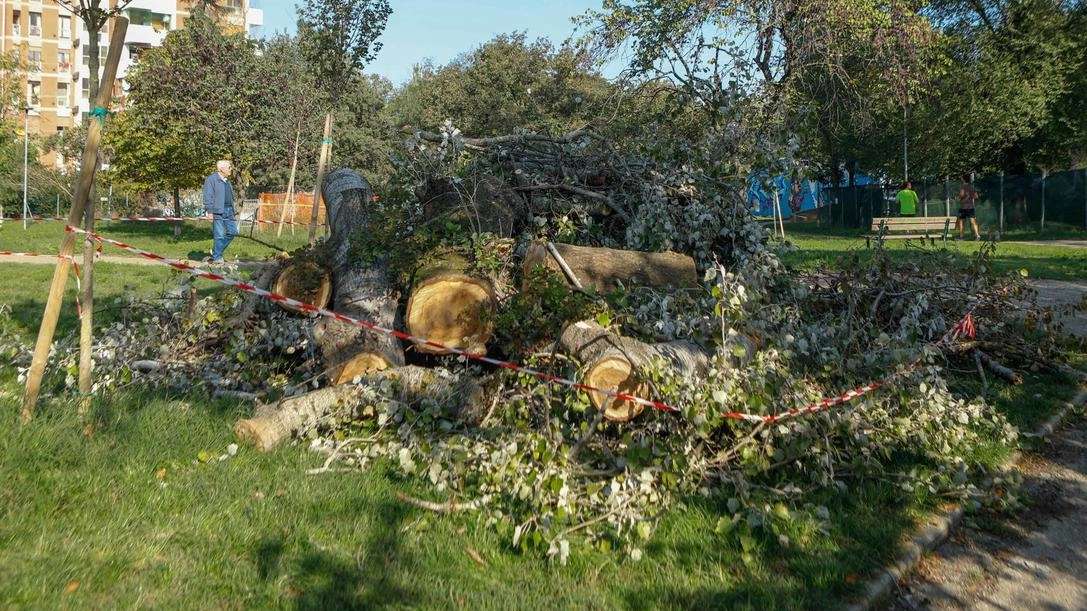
(54, 45)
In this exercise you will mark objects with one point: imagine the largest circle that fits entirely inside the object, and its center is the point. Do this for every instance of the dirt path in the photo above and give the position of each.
(1038, 561)
(1059, 294)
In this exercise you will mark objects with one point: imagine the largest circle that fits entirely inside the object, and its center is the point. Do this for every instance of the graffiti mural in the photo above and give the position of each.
(794, 195)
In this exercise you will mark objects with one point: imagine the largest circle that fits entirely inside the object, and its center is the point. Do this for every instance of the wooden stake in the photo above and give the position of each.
(67, 247)
(86, 324)
(290, 185)
(326, 146)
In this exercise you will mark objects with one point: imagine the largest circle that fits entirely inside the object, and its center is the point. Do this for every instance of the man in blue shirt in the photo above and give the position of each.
(219, 204)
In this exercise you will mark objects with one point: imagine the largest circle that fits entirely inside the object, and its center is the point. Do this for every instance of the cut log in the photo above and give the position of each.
(272, 424)
(304, 281)
(461, 396)
(450, 306)
(606, 269)
(613, 362)
(362, 288)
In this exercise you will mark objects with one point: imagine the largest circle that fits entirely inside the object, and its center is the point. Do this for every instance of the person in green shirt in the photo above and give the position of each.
(907, 200)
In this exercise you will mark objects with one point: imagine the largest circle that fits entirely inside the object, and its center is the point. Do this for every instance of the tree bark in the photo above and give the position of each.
(613, 362)
(363, 289)
(461, 396)
(606, 269)
(451, 307)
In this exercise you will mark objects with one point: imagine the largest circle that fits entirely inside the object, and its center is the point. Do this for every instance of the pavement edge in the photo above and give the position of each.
(940, 526)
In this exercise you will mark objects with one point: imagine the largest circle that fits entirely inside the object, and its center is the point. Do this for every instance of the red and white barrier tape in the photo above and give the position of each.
(161, 219)
(964, 327)
(75, 272)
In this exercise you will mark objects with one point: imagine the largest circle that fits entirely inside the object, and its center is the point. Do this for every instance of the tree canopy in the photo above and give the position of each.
(192, 101)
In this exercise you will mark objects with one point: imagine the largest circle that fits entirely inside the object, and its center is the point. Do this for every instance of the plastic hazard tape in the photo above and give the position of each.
(160, 219)
(964, 327)
(75, 272)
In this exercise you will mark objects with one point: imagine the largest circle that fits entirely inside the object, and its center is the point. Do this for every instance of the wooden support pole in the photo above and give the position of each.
(290, 186)
(86, 324)
(67, 247)
(322, 167)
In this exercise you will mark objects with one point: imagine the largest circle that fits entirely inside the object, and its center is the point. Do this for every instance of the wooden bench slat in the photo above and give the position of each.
(910, 227)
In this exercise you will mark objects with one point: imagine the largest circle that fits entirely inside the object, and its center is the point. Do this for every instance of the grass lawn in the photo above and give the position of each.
(131, 516)
(143, 513)
(821, 246)
(44, 237)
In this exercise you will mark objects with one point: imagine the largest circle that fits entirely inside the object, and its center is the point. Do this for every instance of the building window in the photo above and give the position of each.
(135, 52)
(64, 60)
(34, 60)
(35, 24)
(86, 87)
(103, 51)
(232, 5)
(34, 92)
(62, 95)
(16, 25)
(65, 26)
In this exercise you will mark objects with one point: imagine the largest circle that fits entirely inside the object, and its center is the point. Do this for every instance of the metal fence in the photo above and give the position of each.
(1005, 202)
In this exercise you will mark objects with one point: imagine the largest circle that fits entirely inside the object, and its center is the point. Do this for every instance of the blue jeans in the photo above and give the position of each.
(223, 230)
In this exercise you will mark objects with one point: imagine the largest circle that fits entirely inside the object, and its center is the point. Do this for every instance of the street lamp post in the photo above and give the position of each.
(26, 149)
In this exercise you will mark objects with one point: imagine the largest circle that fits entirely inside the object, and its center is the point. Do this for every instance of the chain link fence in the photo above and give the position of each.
(1006, 203)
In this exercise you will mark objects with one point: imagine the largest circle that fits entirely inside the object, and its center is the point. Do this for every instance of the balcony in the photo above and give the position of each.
(145, 35)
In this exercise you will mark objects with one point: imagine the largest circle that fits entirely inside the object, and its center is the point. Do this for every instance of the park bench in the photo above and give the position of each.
(910, 227)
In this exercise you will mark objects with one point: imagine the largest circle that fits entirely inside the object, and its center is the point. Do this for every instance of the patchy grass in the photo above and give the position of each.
(25, 288)
(45, 237)
(144, 513)
(1054, 262)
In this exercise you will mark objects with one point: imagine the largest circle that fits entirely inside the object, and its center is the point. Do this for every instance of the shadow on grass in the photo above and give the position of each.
(321, 579)
(815, 571)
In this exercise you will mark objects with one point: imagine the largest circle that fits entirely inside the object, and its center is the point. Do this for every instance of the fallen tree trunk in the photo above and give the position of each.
(272, 424)
(613, 362)
(363, 288)
(606, 269)
(451, 307)
(461, 398)
(304, 281)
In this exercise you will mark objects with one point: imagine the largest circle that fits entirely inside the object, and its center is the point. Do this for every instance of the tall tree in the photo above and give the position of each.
(770, 65)
(504, 85)
(193, 100)
(1015, 68)
(338, 38)
(290, 110)
(94, 16)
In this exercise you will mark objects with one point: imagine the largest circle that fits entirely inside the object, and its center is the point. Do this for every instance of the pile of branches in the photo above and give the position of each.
(538, 461)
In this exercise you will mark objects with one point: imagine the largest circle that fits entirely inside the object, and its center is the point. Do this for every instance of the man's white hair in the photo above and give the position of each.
(223, 164)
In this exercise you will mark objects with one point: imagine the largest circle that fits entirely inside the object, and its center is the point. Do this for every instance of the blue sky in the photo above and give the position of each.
(442, 29)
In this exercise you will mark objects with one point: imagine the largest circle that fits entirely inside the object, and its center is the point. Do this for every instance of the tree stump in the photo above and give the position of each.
(362, 288)
(613, 362)
(605, 269)
(451, 307)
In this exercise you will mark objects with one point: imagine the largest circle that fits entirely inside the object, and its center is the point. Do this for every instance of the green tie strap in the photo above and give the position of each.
(100, 113)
